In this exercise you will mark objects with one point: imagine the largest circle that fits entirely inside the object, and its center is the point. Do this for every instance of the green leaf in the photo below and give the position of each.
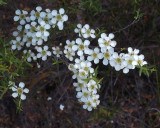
(96, 71)
(86, 80)
(2, 2)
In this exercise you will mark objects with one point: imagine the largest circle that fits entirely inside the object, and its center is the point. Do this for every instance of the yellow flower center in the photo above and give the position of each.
(17, 43)
(83, 74)
(88, 31)
(68, 54)
(22, 16)
(85, 94)
(81, 46)
(37, 14)
(86, 69)
(80, 84)
(30, 39)
(45, 19)
(33, 29)
(92, 86)
(70, 45)
(43, 53)
(57, 51)
(106, 43)
(139, 62)
(118, 60)
(20, 91)
(129, 61)
(94, 55)
(71, 66)
(59, 17)
(106, 55)
(41, 29)
(89, 104)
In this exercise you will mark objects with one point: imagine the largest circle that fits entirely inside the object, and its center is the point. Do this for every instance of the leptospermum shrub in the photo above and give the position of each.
(32, 34)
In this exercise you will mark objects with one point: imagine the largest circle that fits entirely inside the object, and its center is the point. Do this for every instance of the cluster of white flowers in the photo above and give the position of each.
(86, 86)
(19, 91)
(34, 30)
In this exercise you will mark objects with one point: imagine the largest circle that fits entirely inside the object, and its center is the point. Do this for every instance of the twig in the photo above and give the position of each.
(133, 22)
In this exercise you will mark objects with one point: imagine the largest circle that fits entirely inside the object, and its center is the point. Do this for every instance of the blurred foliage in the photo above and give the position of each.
(2, 2)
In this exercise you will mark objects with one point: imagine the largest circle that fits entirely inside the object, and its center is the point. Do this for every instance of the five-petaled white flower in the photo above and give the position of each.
(59, 18)
(43, 53)
(19, 91)
(56, 51)
(20, 16)
(87, 32)
(80, 46)
(30, 55)
(95, 56)
(106, 41)
(139, 60)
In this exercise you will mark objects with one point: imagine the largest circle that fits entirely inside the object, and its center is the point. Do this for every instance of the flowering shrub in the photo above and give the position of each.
(32, 35)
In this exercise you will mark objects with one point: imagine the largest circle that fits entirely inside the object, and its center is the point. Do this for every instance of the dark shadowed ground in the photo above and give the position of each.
(127, 101)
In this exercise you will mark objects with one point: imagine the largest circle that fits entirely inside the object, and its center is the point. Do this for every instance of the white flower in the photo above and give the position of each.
(42, 30)
(106, 41)
(46, 17)
(117, 61)
(79, 85)
(71, 67)
(20, 16)
(59, 18)
(87, 32)
(32, 27)
(89, 104)
(43, 53)
(28, 40)
(57, 51)
(81, 46)
(83, 95)
(30, 55)
(69, 44)
(17, 44)
(69, 54)
(86, 66)
(19, 91)
(35, 14)
(139, 60)
(61, 107)
(83, 74)
(107, 55)
(95, 56)
(92, 86)
(96, 99)
(128, 63)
